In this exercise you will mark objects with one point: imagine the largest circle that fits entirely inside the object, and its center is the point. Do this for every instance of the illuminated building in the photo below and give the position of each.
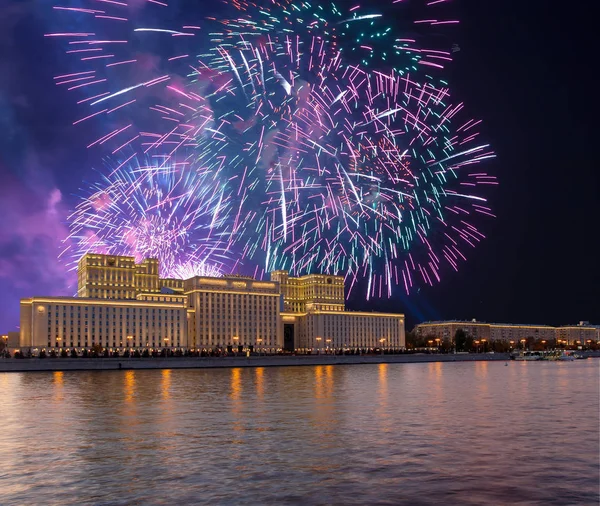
(77, 322)
(315, 318)
(120, 305)
(233, 311)
(516, 332)
(123, 305)
(580, 334)
(446, 330)
(119, 277)
(309, 293)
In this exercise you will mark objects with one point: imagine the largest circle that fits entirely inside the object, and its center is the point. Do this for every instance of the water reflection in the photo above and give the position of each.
(382, 413)
(481, 369)
(236, 406)
(236, 384)
(318, 381)
(259, 375)
(129, 385)
(58, 383)
(4, 382)
(166, 383)
(383, 380)
(401, 434)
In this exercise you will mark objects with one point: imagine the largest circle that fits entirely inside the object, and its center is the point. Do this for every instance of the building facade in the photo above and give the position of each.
(123, 305)
(315, 319)
(119, 277)
(314, 292)
(234, 311)
(582, 333)
(514, 332)
(82, 323)
(446, 330)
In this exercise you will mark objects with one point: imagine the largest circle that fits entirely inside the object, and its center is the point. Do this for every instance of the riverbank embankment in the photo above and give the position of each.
(107, 364)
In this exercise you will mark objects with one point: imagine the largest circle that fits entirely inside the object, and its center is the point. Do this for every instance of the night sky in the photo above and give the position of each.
(525, 68)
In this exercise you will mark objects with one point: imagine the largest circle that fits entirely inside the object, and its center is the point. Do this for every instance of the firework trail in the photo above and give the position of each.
(328, 137)
(151, 211)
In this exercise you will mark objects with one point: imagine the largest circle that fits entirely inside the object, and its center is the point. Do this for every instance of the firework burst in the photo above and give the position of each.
(151, 211)
(326, 140)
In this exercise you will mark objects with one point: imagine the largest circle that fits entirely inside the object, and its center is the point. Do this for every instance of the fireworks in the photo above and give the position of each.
(151, 211)
(312, 159)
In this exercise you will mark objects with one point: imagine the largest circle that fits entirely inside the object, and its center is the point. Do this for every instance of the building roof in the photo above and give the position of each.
(471, 322)
(585, 325)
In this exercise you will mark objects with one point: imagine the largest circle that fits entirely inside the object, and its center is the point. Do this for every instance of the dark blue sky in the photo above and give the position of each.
(525, 68)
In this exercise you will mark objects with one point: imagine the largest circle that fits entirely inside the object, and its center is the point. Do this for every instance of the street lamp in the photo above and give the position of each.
(259, 341)
(477, 346)
(319, 345)
(328, 341)
(512, 343)
(5, 350)
(382, 340)
(523, 341)
(437, 342)
(484, 341)
(166, 340)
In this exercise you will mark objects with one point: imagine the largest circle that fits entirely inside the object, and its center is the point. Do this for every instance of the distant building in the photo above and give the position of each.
(580, 334)
(516, 332)
(315, 318)
(508, 331)
(446, 330)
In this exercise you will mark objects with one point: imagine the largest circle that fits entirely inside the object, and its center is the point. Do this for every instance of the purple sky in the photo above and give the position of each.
(539, 263)
(31, 233)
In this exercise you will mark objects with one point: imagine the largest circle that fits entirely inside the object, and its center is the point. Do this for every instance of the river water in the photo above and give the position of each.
(414, 434)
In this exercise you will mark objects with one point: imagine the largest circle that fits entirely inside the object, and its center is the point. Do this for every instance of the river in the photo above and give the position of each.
(414, 434)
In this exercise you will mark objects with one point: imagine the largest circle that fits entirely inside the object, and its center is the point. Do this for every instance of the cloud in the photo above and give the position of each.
(32, 231)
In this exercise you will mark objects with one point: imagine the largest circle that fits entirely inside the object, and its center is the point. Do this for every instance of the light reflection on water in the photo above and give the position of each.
(437, 433)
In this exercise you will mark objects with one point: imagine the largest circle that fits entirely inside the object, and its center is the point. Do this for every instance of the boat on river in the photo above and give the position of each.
(553, 355)
(527, 356)
(560, 355)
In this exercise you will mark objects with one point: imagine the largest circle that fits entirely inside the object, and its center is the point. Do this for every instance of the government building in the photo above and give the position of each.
(314, 317)
(122, 305)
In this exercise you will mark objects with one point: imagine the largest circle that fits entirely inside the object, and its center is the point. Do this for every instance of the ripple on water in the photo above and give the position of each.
(414, 434)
